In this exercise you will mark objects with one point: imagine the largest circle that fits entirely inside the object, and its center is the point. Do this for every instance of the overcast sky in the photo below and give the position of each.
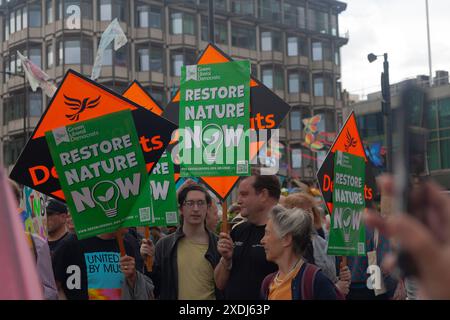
(397, 27)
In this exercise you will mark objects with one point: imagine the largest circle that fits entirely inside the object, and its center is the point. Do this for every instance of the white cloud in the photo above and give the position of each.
(397, 27)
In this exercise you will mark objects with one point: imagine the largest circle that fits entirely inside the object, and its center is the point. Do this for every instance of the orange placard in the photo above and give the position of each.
(267, 112)
(137, 94)
(348, 140)
(78, 99)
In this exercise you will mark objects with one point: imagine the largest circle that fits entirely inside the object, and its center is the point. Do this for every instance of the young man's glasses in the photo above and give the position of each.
(192, 203)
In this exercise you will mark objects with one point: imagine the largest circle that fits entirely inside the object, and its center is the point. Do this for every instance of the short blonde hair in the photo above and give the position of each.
(306, 202)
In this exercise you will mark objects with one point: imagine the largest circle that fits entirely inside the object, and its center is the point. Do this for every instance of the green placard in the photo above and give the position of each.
(161, 183)
(215, 119)
(102, 172)
(347, 233)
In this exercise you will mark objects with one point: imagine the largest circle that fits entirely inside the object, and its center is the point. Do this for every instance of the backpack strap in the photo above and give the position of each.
(307, 282)
(265, 285)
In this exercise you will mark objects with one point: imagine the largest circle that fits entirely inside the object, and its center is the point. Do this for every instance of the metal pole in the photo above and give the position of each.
(24, 112)
(211, 21)
(387, 112)
(429, 45)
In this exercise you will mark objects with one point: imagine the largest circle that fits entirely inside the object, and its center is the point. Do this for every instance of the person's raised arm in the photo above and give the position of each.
(223, 268)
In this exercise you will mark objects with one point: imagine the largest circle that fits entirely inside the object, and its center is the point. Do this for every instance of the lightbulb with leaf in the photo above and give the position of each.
(212, 137)
(106, 194)
(346, 221)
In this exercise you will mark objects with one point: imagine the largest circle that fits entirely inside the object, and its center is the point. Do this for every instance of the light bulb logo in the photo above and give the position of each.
(346, 221)
(106, 195)
(212, 139)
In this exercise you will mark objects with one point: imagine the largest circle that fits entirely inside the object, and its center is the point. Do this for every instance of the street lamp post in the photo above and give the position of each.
(385, 106)
(25, 109)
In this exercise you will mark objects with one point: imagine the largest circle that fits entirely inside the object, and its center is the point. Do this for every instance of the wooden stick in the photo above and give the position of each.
(149, 260)
(343, 261)
(224, 216)
(119, 239)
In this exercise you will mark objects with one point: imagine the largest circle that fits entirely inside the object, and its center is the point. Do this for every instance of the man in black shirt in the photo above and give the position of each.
(243, 265)
(56, 224)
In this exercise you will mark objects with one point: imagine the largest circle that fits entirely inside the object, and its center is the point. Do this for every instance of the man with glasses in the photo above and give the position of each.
(184, 262)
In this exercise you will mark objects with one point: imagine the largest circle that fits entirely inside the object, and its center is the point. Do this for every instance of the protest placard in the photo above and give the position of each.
(77, 99)
(215, 119)
(34, 215)
(347, 232)
(348, 140)
(267, 111)
(102, 172)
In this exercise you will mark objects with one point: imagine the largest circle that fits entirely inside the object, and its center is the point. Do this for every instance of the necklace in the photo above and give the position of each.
(278, 281)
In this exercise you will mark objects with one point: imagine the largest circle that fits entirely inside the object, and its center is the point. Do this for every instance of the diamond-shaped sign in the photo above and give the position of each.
(78, 99)
(348, 140)
(267, 111)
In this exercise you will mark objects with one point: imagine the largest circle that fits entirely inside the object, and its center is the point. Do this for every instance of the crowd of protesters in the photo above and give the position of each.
(275, 248)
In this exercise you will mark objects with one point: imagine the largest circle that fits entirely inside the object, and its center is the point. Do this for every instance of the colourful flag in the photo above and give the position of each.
(19, 277)
(36, 77)
(112, 33)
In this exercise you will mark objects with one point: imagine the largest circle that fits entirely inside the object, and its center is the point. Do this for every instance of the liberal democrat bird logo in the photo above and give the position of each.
(351, 142)
(80, 106)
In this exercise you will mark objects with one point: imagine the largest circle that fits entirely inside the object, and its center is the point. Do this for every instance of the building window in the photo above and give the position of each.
(177, 63)
(304, 82)
(294, 82)
(317, 51)
(35, 104)
(105, 10)
(295, 123)
(296, 158)
(243, 37)
(267, 78)
(149, 59)
(179, 59)
(328, 120)
(12, 150)
(270, 10)
(182, 23)
(301, 17)
(243, 7)
(111, 9)
(6, 24)
(34, 13)
(337, 57)
(12, 22)
(49, 11)
(273, 78)
(266, 41)
(334, 25)
(292, 46)
(120, 56)
(318, 21)
(72, 52)
(148, 16)
(220, 31)
(19, 20)
(318, 87)
(36, 56)
(142, 16)
(290, 15)
(50, 59)
(25, 17)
